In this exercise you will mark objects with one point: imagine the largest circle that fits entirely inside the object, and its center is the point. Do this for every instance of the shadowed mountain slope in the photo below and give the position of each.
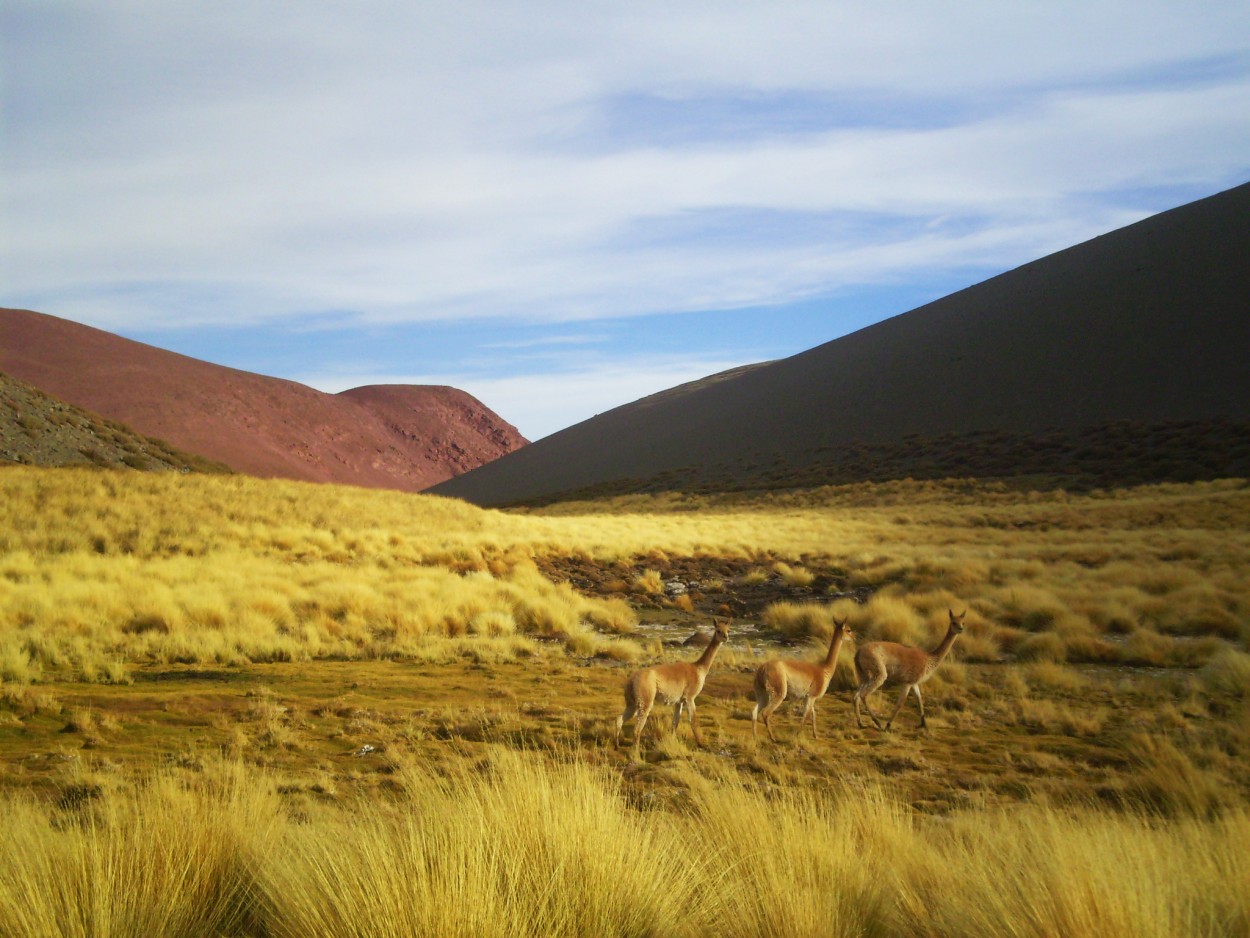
(1144, 331)
(401, 437)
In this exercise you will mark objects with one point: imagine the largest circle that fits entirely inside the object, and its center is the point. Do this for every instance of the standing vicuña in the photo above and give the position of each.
(782, 677)
(878, 663)
(678, 683)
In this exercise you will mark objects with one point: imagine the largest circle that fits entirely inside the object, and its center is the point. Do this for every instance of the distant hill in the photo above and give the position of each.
(39, 430)
(401, 437)
(1124, 358)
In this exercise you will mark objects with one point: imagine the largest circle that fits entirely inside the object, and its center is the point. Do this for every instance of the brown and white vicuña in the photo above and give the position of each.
(781, 678)
(889, 663)
(678, 683)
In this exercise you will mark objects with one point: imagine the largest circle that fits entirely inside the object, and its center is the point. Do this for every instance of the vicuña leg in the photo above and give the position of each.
(694, 727)
(640, 724)
(767, 713)
(620, 722)
(902, 699)
(866, 688)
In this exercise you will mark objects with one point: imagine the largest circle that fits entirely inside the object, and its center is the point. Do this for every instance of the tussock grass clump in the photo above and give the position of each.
(1045, 872)
(650, 582)
(518, 843)
(17, 663)
(544, 847)
(1046, 646)
(798, 620)
(793, 576)
(755, 577)
(1055, 676)
(164, 860)
(1052, 717)
(803, 862)
(889, 617)
(1167, 780)
(612, 614)
(1228, 672)
(1030, 607)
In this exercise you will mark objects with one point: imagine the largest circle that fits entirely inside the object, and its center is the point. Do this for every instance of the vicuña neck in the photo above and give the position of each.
(940, 652)
(705, 660)
(834, 644)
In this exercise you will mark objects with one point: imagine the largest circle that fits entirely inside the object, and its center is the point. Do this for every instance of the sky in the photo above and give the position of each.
(561, 207)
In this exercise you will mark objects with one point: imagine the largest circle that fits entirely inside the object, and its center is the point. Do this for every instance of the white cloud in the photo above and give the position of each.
(411, 162)
(539, 405)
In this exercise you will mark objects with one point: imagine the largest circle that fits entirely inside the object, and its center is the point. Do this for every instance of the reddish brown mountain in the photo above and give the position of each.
(401, 437)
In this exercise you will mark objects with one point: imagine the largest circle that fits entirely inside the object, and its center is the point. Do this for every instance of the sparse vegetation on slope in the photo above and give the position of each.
(38, 430)
(1118, 454)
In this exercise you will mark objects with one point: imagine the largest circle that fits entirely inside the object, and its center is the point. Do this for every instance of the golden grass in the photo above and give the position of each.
(1228, 672)
(1039, 873)
(519, 844)
(439, 684)
(220, 569)
(109, 572)
(793, 575)
(161, 860)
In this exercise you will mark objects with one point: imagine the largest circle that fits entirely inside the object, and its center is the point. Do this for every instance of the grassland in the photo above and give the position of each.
(240, 707)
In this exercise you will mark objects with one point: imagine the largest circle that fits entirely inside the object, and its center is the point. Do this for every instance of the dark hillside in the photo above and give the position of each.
(1123, 356)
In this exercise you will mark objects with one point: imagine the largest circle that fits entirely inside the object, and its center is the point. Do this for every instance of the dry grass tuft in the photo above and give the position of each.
(798, 620)
(793, 576)
(650, 582)
(1228, 672)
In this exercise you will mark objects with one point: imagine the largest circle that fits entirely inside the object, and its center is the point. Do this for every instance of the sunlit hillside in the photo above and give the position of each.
(239, 707)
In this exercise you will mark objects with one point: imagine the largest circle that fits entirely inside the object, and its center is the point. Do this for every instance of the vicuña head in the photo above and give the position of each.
(780, 678)
(878, 663)
(678, 683)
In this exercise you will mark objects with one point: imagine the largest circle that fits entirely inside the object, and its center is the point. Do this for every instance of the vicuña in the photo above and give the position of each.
(780, 678)
(878, 663)
(678, 683)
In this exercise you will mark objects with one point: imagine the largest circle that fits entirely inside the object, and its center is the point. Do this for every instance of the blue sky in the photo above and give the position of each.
(562, 207)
